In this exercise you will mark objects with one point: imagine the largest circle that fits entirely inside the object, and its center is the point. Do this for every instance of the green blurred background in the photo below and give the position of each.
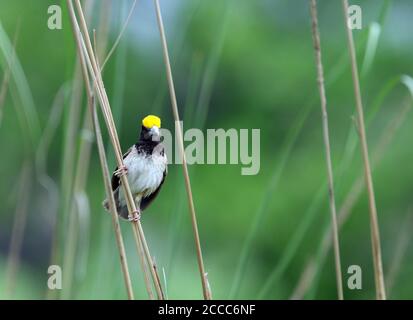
(236, 64)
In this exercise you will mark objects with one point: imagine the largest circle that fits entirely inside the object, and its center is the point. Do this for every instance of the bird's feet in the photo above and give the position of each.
(135, 216)
(123, 170)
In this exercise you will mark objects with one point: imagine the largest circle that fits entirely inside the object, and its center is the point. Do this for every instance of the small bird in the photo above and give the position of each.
(145, 165)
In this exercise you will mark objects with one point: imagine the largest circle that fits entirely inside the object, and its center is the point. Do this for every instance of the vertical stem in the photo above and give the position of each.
(102, 157)
(326, 137)
(106, 110)
(115, 219)
(350, 200)
(374, 226)
(205, 284)
(65, 237)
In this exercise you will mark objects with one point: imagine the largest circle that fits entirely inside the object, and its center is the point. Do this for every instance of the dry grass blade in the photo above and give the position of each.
(304, 280)
(65, 240)
(94, 70)
(205, 285)
(323, 100)
(374, 225)
(109, 193)
(102, 157)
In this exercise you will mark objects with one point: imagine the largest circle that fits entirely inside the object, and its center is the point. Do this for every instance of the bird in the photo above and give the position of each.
(145, 166)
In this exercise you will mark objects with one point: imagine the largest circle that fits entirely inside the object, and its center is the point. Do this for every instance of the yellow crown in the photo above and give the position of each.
(150, 121)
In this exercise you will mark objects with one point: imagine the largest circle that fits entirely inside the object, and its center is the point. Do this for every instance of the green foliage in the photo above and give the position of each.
(249, 64)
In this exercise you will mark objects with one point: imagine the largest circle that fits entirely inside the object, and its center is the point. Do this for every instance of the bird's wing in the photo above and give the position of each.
(146, 201)
(115, 178)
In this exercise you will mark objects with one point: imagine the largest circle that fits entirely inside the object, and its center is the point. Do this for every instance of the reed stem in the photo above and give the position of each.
(374, 225)
(326, 137)
(205, 285)
(94, 70)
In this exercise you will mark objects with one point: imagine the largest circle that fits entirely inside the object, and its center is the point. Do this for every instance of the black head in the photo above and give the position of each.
(150, 135)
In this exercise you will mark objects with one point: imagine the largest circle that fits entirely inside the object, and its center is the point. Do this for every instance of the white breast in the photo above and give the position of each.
(145, 173)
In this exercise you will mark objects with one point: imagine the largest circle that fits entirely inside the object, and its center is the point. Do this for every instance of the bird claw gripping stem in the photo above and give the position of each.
(121, 171)
(134, 216)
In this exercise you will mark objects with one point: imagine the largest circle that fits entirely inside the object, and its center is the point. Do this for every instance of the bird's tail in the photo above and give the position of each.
(122, 210)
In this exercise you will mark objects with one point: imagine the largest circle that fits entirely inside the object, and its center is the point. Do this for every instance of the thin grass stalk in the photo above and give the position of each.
(112, 206)
(105, 107)
(312, 211)
(115, 44)
(374, 225)
(326, 137)
(303, 281)
(295, 130)
(117, 104)
(65, 232)
(175, 221)
(192, 107)
(109, 190)
(82, 167)
(357, 187)
(202, 83)
(103, 160)
(103, 27)
(144, 266)
(102, 156)
(370, 52)
(140, 248)
(165, 283)
(205, 285)
(350, 200)
(19, 227)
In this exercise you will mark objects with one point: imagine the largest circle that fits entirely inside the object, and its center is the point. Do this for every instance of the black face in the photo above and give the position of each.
(150, 135)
